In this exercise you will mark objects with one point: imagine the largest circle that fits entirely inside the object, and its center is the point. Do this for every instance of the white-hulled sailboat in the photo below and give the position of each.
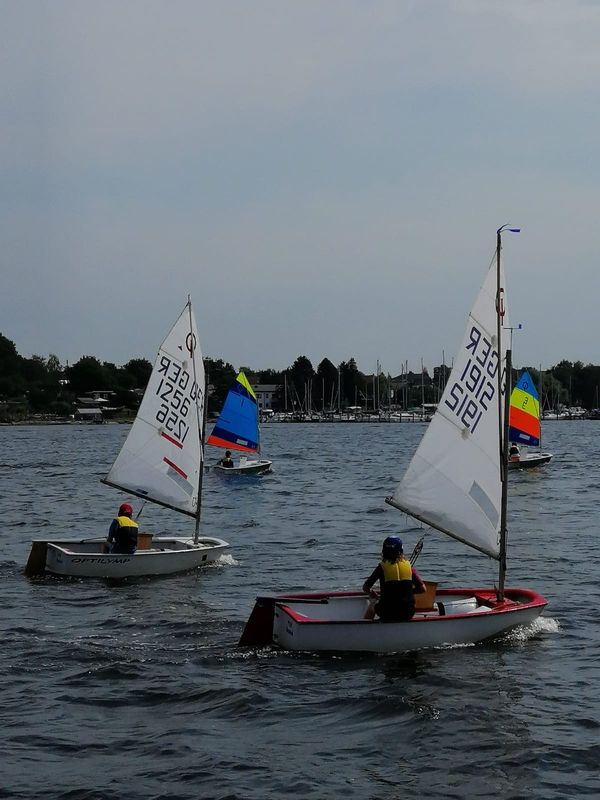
(456, 483)
(161, 462)
(238, 428)
(524, 427)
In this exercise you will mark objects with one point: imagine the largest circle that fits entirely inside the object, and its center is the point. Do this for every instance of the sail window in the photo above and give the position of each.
(485, 503)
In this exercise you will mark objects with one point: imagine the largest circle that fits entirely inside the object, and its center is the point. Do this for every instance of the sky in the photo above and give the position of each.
(323, 178)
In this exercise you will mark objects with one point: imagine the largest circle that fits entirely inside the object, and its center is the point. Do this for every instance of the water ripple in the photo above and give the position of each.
(137, 689)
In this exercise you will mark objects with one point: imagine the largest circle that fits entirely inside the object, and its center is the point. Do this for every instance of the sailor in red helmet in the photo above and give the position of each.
(123, 531)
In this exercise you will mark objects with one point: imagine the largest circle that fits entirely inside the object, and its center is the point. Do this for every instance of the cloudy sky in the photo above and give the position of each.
(324, 177)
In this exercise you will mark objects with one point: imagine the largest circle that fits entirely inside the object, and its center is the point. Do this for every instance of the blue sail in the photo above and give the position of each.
(237, 426)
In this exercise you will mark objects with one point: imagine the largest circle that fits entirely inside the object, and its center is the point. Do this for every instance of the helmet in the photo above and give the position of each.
(125, 510)
(392, 547)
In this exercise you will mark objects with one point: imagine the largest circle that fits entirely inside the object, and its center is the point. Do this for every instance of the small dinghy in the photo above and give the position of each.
(161, 462)
(160, 555)
(335, 621)
(456, 483)
(524, 425)
(238, 428)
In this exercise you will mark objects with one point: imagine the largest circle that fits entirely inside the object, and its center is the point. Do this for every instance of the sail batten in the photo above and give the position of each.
(161, 458)
(453, 481)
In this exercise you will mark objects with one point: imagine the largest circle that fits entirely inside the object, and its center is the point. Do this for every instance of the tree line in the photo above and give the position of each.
(43, 386)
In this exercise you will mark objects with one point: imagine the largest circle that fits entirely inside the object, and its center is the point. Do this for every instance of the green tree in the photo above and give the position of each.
(300, 375)
(87, 375)
(326, 384)
(34, 369)
(220, 376)
(53, 365)
(10, 360)
(272, 376)
(354, 384)
(139, 371)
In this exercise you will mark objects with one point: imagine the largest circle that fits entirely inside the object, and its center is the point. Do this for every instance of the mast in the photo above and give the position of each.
(443, 377)
(504, 475)
(541, 405)
(374, 395)
(503, 421)
(201, 426)
(422, 391)
(258, 427)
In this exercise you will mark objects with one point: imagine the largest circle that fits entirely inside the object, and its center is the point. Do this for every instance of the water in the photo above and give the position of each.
(140, 691)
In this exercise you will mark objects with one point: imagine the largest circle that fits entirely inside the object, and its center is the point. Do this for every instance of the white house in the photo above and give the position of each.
(265, 393)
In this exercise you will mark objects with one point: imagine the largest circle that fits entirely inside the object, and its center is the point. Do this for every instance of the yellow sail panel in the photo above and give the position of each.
(244, 381)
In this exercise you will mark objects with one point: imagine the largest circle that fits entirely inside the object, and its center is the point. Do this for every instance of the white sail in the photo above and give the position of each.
(162, 455)
(453, 481)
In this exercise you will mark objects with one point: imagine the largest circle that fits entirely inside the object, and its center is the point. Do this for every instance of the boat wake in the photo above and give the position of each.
(226, 559)
(535, 628)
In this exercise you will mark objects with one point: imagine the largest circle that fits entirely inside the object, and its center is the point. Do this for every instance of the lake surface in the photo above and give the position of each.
(140, 691)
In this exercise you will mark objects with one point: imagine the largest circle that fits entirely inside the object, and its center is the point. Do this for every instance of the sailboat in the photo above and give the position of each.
(238, 428)
(161, 462)
(524, 425)
(455, 483)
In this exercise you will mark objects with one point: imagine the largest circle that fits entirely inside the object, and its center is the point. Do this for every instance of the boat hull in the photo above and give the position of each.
(249, 467)
(165, 557)
(334, 622)
(530, 461)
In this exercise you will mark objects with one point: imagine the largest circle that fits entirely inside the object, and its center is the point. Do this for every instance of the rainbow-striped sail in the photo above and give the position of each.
(524, 416)
(237, 426)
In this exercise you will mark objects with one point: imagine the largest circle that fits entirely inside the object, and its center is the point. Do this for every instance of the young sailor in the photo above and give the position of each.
(227, 460)
(513, 453)
(398, 581)
(123, 531)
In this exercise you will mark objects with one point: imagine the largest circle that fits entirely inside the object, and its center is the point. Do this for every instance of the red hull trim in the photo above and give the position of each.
(524, 598)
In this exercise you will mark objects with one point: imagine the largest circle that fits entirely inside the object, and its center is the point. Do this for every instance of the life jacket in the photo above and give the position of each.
(400, 570)
(396, 587)
(126, 535)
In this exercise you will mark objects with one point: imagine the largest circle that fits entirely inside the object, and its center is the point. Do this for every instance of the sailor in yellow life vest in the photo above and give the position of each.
(513, 453)
(123, 531)
(398, 581)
